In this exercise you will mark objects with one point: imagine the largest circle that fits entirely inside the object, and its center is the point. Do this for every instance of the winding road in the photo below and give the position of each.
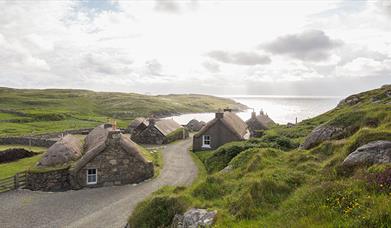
(100, 207)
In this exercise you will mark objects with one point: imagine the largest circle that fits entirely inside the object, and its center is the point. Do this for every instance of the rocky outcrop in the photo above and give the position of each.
(371, 153)
(351, 100)
(194, 218)
(321, 134)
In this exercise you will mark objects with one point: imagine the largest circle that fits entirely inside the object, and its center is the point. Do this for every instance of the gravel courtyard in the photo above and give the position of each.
(100, 207)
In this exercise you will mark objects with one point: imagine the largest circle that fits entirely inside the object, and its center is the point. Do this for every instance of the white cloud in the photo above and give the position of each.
(143, 46)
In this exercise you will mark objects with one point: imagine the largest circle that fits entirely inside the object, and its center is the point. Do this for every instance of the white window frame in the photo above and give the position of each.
(206, 145)
(91, 175)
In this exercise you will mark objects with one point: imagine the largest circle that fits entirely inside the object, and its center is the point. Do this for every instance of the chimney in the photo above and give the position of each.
(151, 121)
(107, 125)
(253, 115)
(219, 114)
(261, 112)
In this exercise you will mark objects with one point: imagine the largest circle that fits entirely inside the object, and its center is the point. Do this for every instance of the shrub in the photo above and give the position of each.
(157, 212)
(380, 181)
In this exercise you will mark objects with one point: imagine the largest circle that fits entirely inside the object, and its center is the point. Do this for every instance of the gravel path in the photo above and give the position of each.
(100, 207)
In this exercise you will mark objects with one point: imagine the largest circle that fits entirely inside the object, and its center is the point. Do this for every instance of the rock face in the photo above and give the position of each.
(371, 153)
(321, 134)
(351, 100)
(194, 218)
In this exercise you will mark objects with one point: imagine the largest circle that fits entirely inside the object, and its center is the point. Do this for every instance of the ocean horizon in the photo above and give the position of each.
(281, 108)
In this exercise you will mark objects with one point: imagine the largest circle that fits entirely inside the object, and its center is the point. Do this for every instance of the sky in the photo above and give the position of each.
(321, 48)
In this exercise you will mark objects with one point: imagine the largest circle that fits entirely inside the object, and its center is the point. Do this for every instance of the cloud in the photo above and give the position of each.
(240, 58)
(169, 6)
(211, 67)
(154, 67)
(365, 67)
(385, 5)
(311, 45)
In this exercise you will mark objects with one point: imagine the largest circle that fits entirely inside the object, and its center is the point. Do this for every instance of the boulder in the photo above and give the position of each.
(320, 134)
(371, 153)
(194, 218)
(351, 100)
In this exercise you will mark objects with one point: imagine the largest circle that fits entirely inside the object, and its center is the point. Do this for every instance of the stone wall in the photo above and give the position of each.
(83, 131)
(41, 142)
(115, 166)
(51, 181)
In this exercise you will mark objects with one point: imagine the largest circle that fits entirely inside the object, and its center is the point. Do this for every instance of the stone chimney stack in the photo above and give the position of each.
(152, 121)
(261, 112)
(253, 115)
(219, 114)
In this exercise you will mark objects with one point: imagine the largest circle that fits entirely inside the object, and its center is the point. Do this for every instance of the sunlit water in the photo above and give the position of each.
(281, 109)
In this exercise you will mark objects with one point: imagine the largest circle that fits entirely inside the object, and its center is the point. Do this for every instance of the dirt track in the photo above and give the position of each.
(100, 207)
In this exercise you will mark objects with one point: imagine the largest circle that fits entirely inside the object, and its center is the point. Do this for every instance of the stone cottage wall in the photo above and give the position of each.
(115, 166)
(58, 180)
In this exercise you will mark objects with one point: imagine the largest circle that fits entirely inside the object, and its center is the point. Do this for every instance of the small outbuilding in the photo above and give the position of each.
(160, 131)
(195, 125)
(225, 127)
(258, 123)
(137, 125)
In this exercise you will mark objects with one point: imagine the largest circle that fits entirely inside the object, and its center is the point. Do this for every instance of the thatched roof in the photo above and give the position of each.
(97, 141)
(67, 149)
(195, 125)
(260, 122)
(166, 126)
(233, 122)
(136, 122)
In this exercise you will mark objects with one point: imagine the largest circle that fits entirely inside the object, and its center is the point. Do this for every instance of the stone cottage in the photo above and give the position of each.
(225, 127)
(137, 125)
(195, 125)
(109, 158)
(258, 123)
(161, 131)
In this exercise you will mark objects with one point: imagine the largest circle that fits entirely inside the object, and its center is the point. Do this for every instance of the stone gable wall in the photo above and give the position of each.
(115, 166)
(150, 135)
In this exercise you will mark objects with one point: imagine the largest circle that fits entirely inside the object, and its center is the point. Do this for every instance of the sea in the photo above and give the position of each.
(282, 109)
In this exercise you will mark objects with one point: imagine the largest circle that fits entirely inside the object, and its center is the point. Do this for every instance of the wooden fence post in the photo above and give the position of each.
(16, 181)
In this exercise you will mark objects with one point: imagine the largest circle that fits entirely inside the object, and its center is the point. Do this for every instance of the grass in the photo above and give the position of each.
(273, 183)
(24, 112)
(21, 165)
(155, 156)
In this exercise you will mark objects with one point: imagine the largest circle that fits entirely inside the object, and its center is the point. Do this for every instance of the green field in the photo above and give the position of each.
(270, 182)
(25, 112)
(11, 168)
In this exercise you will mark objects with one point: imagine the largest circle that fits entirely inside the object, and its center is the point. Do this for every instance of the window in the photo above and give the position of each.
(206, 141)
(92, 177)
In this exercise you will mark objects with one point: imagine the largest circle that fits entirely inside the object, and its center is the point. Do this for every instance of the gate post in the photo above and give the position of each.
(16, 181)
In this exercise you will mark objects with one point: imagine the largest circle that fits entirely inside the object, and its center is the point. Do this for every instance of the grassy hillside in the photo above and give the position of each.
(271, 182)
(38, 111)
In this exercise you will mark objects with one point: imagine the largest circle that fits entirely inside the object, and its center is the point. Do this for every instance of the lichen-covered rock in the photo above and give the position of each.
(194, 218)
(371, 153)
(320, 134)
(351, 100)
